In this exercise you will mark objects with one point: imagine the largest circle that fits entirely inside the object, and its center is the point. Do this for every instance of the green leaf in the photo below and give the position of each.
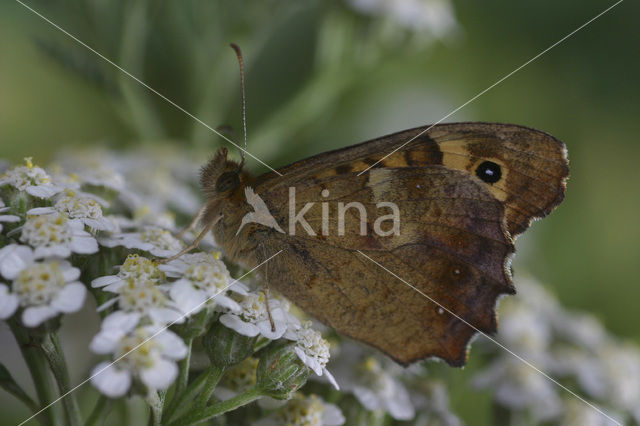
(10, 385)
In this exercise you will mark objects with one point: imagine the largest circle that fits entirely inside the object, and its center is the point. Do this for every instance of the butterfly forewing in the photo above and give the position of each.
(462, 191)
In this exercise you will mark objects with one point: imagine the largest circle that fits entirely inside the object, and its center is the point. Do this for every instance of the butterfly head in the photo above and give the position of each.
(221, 176)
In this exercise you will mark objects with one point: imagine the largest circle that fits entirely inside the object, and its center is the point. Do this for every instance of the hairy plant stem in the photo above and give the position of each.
(37, 365)
(214, 373)
(179, 402)
(156, 403)
(100, 411)
(198, 416)
(201, 384)
(53, 352)
(183, 377)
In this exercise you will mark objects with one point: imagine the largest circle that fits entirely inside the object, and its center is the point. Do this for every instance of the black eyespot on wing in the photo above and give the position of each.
(227, 181)
(489, 172)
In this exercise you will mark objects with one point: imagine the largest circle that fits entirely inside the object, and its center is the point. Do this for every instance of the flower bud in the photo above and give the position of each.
(281, 372)
(225, 347)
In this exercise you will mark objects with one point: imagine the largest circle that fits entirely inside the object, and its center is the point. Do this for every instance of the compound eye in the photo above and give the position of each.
(227, 181)
(489, 172)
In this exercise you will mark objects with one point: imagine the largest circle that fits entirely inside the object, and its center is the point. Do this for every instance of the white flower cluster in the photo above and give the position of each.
(382, 386)
(253, 319)
(53, 223)
(148, 299)
(44, 283)
(564, 345)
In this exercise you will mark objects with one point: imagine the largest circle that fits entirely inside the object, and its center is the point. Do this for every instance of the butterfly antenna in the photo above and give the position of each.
(244, 101)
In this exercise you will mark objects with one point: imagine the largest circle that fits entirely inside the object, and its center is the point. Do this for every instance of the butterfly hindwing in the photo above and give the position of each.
(451, 245)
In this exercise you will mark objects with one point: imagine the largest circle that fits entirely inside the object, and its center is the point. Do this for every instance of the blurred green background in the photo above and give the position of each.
(321, 76)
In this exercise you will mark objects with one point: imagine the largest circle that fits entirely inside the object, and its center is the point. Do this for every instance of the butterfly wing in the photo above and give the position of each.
(454, 242)
(534, 165)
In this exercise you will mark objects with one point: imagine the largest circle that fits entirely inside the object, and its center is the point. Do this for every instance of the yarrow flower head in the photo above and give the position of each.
(203, 281)
(83, 209)
(157, 241)
(378, 389)
(312, 349)
(54, 235)
(31, 179)
(303, 410)
(148, 354)
(376, 383)
(135, 267)
(42, 289)
(139, 290)
(253, 319)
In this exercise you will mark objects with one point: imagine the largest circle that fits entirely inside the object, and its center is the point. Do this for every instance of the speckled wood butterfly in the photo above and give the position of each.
(464, 191)
(454, 198)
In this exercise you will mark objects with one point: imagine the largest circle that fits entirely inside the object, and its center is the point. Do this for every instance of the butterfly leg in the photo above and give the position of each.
(266, 291)
(193, 245)
(193, 223)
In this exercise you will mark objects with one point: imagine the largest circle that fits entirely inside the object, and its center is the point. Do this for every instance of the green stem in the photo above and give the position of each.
(100, 411)
(222, 407)
(183, 378)
(156, 403)
(181, 402)
(214, 373)
(9, 385)
(53, 352)
(37, 365)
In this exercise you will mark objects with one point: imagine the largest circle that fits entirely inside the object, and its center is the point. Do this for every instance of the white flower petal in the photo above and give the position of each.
(106, 341)
(69, 272)
(109, 303)
(165, 316)
(41, 210)
(173, 269)
(400, 406)
(235, 323)
(9, 218)
(84, 244)
(332, 416)
(160, 375)
(367, 398)
(188, 299)
(110, 380)
(13, 259)
(265, 328)
(8, 302)
(331, 379)
(227, 303)
(309, 361)
(70, 298)
(121, 321)
(33, 316)
(172, 345)
(43, 191)
(57, 250)
(239, 288)
(104, 281)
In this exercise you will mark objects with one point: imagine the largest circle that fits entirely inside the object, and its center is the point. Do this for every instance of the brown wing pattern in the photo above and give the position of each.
(451, 245)
(455, 240)
(534, 164)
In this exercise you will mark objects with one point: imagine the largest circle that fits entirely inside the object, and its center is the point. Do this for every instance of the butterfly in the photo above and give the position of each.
(462, 193)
